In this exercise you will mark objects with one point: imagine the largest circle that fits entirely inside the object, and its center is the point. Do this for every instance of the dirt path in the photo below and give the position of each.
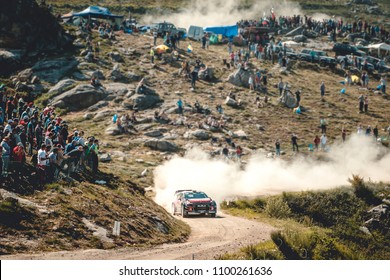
(210, 237)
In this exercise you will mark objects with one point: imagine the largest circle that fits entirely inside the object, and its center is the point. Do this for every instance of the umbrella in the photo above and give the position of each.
(162, 49)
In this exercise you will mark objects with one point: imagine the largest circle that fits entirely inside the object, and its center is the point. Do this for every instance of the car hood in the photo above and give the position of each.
(199, 200)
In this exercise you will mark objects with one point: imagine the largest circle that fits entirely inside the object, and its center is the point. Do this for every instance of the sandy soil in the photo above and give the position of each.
(210, 238)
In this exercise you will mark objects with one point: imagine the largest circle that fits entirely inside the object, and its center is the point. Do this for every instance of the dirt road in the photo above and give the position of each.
(210, 237)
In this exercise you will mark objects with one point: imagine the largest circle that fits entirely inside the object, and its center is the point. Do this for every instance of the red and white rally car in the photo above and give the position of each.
(190, 202)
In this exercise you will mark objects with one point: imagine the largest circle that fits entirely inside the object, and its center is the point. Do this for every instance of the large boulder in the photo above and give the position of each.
(154, 133)
(52, 71)
(143, 102)
(201, 134)
(9, 60)
(62, 86)
(144, 98)
(231, 102)
(115, 56)
(162, 145)
(117, 89)
(26, 25)
(79, 97)
(240, 77)
(112, 130)
(289, 100)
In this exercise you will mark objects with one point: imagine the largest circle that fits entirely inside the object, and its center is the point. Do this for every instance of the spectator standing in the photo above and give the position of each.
(322, 89)
(316, 142)
(277, 148)
(383, 84)
(366, 104)
(5, 156)
(294, 142)
(361, 103)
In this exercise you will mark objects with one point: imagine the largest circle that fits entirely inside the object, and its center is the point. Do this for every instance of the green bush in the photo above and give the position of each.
(276, 207)
(362, 191)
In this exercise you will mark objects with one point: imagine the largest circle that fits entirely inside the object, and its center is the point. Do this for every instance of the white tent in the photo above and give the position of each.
(381, 46)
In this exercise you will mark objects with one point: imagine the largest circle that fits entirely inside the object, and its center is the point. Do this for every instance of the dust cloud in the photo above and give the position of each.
(223, 12)
(261, 176)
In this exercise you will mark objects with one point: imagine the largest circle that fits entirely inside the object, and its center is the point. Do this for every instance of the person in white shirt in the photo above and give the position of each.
(323, 140)
(42, 157)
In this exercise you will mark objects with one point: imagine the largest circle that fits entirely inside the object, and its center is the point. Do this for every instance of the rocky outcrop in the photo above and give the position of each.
(161, 145)
(289, 100)
(198, 134)
(26, 25)
(9, 60)
(52, 71)
(240, 77)
(79, 97)
(62, 86)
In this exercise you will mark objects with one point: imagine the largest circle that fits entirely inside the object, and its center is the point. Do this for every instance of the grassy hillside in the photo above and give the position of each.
(59, 217)
(319, 225)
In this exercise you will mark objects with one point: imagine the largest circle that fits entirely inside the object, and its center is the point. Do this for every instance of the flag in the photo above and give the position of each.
(273, 14)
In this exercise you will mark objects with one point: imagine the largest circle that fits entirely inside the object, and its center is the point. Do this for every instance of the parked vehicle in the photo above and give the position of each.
(347, 49)
(320, 57)
(378, 64)
(191, 202)
(162, 28)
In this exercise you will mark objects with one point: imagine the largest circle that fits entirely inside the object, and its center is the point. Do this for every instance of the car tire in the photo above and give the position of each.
(173, 210)
(213, 215)
(184, 214)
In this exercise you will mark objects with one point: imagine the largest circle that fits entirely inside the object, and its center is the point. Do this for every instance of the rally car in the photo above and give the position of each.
(191, 202)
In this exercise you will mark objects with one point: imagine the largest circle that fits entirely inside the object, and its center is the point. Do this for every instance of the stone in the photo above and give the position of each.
(162, 145)
(116, 75)
(117, 89)
(239, 134)
(240, 77)
(144, 127)
(288, 99)
(103, 114)
(105, 158)
(153, 133)
(80, 76)
(143, 102)
(9, 60)
(231, 102)
(88, 116)
(98, 74)
(201, 134)
(112, 130)
(25, 75)
(79, 97)
(52, 71)
(133, 77)
(62, 86)
(115, 56)
(97, 106)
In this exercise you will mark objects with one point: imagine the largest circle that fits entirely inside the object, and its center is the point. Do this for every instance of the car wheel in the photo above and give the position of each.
(213, 215)
(184, 213)
(173, 210)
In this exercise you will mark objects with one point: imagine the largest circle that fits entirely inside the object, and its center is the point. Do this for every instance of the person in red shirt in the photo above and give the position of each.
(316, 142)
(19, 157)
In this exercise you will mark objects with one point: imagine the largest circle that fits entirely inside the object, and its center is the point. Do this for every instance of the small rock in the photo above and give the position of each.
(105, 158)
(88, 116)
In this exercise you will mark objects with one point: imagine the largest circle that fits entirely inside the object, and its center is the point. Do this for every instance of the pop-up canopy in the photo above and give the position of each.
(97, 12)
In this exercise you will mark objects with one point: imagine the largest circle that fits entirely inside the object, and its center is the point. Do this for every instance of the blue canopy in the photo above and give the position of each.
(96, 12)
(228, 31)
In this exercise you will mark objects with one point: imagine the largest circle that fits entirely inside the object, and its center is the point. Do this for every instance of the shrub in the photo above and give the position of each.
(276, 207)
(362, 191)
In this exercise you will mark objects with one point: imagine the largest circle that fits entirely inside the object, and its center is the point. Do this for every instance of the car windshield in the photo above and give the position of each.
(193, 195)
